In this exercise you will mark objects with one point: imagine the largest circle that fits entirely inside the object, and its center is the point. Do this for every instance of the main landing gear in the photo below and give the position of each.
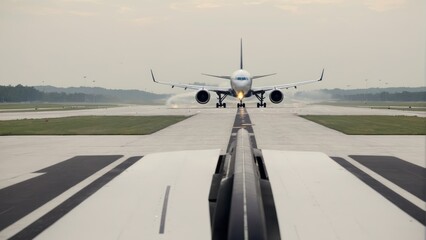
(220, 98)
(261, 105)
(218, 105)
(260, 98)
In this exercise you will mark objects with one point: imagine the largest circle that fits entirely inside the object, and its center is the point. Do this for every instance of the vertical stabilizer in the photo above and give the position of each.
(241, 54)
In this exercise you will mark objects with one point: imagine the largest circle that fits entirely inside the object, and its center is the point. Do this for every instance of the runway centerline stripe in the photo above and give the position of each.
(55, 214)
(241, 202)
(164, 211)
(242, 120)
(20, 199)
(406, 175)
(402, 203)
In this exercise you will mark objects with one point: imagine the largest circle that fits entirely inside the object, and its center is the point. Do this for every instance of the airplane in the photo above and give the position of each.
(241, 87)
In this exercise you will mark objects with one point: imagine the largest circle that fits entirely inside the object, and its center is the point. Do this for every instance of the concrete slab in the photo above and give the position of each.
(282, 129)
(132, 110)
(22, 155)
(317, 199)
(131, 206)
(275, 128)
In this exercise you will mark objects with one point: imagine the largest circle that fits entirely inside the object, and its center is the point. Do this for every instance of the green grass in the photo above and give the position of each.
(89, 125)
(372, 125)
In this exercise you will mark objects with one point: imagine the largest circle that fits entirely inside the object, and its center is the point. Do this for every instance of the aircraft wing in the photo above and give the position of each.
(192, 86)
(261, 76)
(286, 85)
(217, 76)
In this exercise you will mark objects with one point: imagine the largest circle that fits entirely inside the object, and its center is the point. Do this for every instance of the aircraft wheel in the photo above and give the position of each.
(264, 105)
(244, 105)
(217, 105)
(224, 105)
(258, 105)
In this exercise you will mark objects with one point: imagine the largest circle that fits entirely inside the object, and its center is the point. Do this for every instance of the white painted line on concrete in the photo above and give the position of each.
(130, 206)
(36, 214)
(405, 194)
(318, 199)
(244, 186)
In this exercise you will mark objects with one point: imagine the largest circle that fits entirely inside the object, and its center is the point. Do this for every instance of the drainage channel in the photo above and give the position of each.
(240, 199)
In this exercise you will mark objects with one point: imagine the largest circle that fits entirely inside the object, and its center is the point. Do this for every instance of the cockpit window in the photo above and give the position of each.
(242, 78)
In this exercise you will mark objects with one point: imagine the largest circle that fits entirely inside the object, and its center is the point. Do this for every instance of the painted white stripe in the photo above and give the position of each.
(244, 189)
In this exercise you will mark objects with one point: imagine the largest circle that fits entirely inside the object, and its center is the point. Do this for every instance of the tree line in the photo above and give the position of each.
(385, 96)
(415, 95)
(20, 93)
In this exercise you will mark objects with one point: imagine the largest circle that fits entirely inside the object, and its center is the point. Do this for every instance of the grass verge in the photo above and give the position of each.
(372, 125)
(89, 125)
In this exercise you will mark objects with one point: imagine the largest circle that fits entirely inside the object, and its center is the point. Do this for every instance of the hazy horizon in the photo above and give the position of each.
(113, 44)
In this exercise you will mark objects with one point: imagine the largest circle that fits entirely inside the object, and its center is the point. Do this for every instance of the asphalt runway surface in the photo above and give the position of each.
(43, 178)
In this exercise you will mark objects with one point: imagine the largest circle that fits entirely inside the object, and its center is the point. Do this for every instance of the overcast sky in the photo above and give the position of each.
(113, 44)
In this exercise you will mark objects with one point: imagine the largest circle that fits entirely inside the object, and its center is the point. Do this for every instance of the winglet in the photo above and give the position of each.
(322, 74)
(153, 78)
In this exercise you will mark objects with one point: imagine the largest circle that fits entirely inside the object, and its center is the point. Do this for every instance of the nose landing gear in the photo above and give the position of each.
(241, 104)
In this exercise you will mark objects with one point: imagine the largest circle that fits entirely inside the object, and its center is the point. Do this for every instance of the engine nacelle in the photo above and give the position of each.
(276, 96)
(202, 97)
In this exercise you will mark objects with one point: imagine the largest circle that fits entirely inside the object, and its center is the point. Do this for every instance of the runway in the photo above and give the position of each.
(280, 134)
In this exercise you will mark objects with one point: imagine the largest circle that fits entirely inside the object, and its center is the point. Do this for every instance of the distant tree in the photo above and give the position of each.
(19, 93)
(416, 95)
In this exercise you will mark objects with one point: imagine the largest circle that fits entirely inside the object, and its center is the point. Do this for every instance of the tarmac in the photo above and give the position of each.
(280, 134)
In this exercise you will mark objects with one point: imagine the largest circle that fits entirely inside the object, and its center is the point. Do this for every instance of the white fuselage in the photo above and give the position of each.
(241, 83)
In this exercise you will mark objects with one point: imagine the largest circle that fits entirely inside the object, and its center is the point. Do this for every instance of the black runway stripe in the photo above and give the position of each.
(164, 211)
(406, 175)
(20, 199)
(402, 203)
(55, 214)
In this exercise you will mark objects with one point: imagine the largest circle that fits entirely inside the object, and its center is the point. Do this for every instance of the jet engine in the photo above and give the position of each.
(276, 96)
(202, 97)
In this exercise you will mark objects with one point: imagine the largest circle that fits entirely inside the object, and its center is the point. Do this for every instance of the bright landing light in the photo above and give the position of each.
(240, 95)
